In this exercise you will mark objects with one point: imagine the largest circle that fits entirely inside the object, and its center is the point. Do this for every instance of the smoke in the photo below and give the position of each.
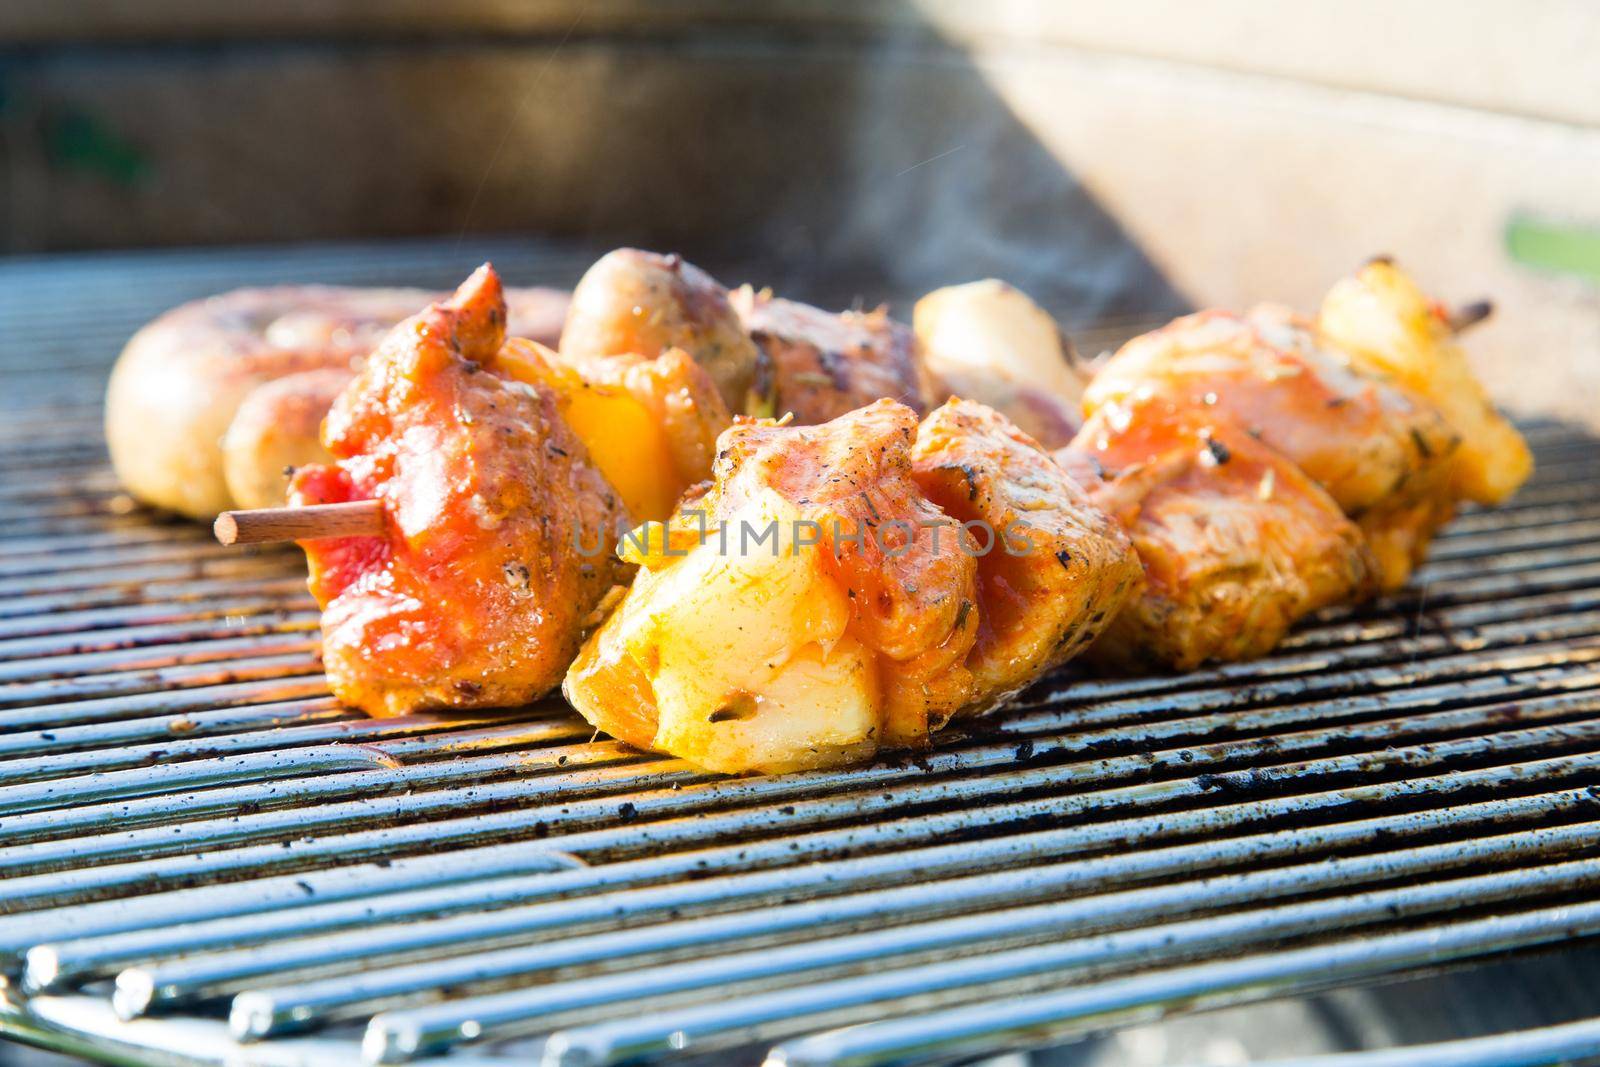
(935, 182)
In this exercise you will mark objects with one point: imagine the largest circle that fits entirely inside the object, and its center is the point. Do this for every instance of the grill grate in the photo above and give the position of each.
(199, 845)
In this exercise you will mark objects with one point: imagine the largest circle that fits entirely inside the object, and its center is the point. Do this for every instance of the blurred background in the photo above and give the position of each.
(1118, 158)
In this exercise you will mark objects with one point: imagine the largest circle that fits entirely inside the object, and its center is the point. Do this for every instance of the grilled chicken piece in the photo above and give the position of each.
(1237, 542)
(477, 593)
(817, 601)
(1401, 491)
(820, 365)
(642, 303)
(987, 341)
(1057, 567)
(1382, 454)
(1390, 328)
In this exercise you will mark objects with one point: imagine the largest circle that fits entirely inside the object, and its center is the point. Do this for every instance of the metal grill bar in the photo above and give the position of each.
(61, 870)
(1569, 1042)
(163, 931)
(192, 830)
(195, 979)
(1050, 1016)
(266, 1012)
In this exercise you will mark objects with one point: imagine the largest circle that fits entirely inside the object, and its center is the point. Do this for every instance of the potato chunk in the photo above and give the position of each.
(745, 656)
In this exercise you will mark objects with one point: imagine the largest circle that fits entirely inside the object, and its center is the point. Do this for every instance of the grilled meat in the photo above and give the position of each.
(1237, 542)
(1057, 567)
(818, 601)
(1238, 450)
(820, 365)
(477, 594)
(1382, 454)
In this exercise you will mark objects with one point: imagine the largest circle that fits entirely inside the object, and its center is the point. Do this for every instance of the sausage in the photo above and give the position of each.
(179, 383)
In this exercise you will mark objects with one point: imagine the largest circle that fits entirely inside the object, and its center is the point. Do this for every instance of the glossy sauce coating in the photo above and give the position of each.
(1237, 543)
(476, 595)
(1382, 453)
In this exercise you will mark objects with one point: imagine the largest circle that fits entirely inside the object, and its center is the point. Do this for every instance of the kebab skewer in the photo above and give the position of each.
(472, 447)
(813, 699)
(1260, 468)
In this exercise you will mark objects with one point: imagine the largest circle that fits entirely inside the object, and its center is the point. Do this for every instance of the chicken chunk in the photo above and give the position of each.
(822, 365)
(476, 594)
(1056, 568)
(1389, 327)
(817, 602)
(642, 303)
(1382, 454)
(987, 341)
(1237, 542)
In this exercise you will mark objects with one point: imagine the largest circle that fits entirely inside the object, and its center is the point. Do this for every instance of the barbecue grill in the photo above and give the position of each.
(206, 860)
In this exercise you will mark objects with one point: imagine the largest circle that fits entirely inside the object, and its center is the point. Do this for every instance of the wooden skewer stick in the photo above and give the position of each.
(358, 518)
(1467, 316)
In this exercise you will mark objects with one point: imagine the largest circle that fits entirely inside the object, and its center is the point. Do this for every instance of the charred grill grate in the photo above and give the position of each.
(195, 838)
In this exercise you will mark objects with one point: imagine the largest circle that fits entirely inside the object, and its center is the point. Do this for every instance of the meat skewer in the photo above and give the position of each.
(502, 474)
(1261, 468)
(444, 540)
(414, 583)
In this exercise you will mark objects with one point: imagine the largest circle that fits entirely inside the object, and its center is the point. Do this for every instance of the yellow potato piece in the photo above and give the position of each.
(740, 645)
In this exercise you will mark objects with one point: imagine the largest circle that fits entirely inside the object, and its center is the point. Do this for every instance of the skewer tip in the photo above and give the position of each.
(1469, 315)
(259, 526)
(226, 528)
